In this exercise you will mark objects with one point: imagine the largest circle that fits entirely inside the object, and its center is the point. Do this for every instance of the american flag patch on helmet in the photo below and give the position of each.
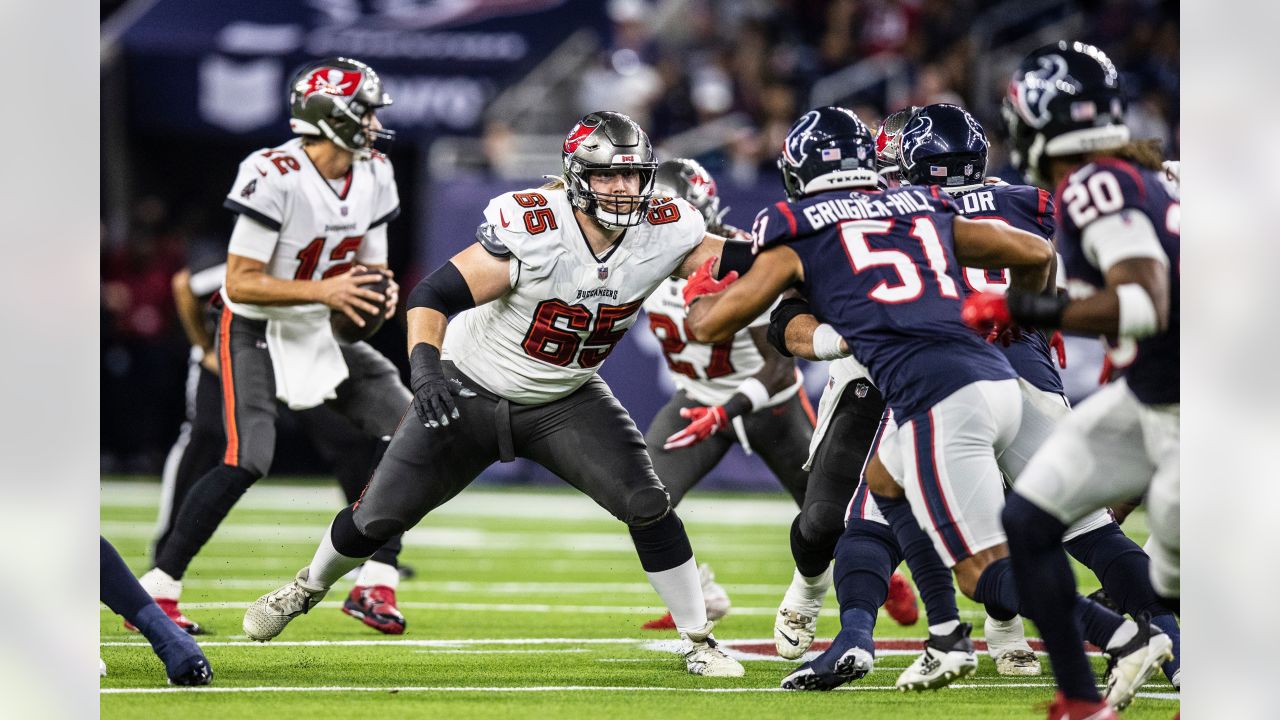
(830, 154)
(938, 170)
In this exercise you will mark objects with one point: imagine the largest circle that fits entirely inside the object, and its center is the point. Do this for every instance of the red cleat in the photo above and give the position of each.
(1064, 708)
(901, 603)
(170, 608)
(663, 623)
(375, 606)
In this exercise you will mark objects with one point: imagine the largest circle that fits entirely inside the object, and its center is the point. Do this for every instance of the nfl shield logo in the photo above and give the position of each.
(344, 211)
(602, 272)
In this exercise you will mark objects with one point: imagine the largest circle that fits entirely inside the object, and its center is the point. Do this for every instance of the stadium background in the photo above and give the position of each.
(484, 92)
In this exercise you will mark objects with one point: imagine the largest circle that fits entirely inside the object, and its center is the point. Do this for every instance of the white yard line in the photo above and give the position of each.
(495, 588)
(514, 607)
(403, 643)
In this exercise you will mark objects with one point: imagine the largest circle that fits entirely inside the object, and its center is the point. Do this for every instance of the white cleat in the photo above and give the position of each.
(1007, 645)
(703, 656)
(1133, 663)
(269, 614)
(102, 668)
(946, 658)
(796, 623)
(713, 594)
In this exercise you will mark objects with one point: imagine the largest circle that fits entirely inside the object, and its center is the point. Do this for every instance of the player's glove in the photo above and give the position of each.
(781, 317)
(707, 421)
(701, 283)
(985, 312)
(432, 391)
(1059, 347)
(988, 313)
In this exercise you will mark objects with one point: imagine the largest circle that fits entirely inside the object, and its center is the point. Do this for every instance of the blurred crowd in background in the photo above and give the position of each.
(756, 62)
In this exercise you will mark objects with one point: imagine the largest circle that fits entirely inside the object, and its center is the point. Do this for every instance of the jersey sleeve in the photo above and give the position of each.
(373, 249)
(503, 232)
(688, 228)
(1102, 207)
(775, 224)
(387, 201)
(1034, 206)
(259, 191)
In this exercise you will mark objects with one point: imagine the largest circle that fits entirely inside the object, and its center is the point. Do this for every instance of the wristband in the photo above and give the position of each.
(755, 392)
(826, 343)
(783, 313)
(1138, 318)
(1030, 309)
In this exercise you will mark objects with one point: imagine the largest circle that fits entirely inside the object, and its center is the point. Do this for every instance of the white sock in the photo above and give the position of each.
(1003, 625)
(812, 589)
(328, 565)
(376, 573)
(1123, 634)
(944, 628)
(681, 591)
(159, 584)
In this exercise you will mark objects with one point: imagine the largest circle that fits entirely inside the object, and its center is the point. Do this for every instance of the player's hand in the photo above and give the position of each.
(1059, 347)
(209, 361)
(432, 391)
(707, 421)
(1104, 376)
(986, 312)
(345, 294)
(393, 294)
(701, 283)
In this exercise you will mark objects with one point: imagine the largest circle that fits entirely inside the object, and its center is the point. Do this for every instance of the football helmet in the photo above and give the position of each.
(826, 149)
(685, 178)
(331, 97)
(942, 144)
(608, 141)
(1064, 99)
(887, 145)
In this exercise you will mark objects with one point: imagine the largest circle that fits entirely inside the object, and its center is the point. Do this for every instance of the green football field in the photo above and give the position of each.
(527, 603)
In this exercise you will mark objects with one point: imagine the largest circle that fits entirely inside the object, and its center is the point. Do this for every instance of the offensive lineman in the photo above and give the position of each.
(557, 275)
(312, 217)
(1120, 242)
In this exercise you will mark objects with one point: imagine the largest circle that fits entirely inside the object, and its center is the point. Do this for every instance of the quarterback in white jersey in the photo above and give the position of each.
(311, 227)
(557, 275)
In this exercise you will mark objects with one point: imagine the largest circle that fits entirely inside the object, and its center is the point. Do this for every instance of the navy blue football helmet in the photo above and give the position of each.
(1064, 99)
(826, 149)
(942, 144)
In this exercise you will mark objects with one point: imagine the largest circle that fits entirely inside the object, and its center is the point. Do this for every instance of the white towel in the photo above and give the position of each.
(307, 360)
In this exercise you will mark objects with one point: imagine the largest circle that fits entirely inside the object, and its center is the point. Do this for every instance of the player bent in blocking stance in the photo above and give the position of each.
(883, 268)
(1119, 240)
(557, 276)
(312, 215)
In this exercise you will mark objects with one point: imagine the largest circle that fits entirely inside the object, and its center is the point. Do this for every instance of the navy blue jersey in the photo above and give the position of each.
(1107, 187)
(1025, 208)
(880, 267)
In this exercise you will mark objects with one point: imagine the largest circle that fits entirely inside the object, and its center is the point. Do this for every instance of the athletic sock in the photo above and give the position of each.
(1169, 624)
(998, 591)
(931, 576)
(376, 573)
(812, 556)
(857, 627)
(667, 559)
(866, 555)
(389, 553)
(204, 508)
(1040, 566)
(118, 588)
(342, 548)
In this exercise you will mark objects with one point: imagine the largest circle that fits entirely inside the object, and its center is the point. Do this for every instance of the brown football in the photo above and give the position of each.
(347, 331)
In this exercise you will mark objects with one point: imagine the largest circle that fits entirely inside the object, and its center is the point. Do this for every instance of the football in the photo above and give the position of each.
(347, 331)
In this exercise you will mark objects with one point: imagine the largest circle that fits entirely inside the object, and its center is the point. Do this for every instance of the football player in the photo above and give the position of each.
(884, 269)
(201, 439)
(1119, 240)
(312, 219)
(556, 277)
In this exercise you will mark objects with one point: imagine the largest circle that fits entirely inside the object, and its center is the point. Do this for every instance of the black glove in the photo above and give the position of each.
(432, 391)
(782, 315)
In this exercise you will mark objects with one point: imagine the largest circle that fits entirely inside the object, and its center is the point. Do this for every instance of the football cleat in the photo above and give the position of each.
(901, 603)
(191, 671)
(165, 591)
(713, 595)
(703, 656)
(1007, 645)
(375, 606)
(170, 608)
(946, 658)
(796, 623)
(1064, 708)
(102, 668)
(841, 663)
(1132, 664)
(269, 614)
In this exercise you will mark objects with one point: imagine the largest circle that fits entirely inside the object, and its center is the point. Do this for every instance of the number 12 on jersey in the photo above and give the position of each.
(910, 285)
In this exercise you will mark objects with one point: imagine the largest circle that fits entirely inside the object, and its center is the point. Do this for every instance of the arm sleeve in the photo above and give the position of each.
(1121, 236)
(207, 281)
(373, 250)
(252, 239)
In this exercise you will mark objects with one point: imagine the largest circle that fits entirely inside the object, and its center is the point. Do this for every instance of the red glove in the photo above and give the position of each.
(986, 313)
(1060, 347)
(707, 421)
(701, 283)
(1104, 376)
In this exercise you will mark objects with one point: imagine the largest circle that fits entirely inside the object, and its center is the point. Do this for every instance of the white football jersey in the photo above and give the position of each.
(320, 229)
(567, 308)
(709, 374)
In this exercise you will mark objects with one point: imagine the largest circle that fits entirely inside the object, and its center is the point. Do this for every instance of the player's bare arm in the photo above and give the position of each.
(248, 282)
(992, 245)
(779, 371)
(1100, 313)
(715, 318)
(712, 246)
(190, 315)
(486, 279)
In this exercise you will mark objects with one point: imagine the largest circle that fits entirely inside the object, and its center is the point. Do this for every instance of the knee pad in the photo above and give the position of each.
(646, 507)
(822, 522)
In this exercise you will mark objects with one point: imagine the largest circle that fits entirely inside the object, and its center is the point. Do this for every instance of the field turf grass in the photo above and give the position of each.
(527, 603)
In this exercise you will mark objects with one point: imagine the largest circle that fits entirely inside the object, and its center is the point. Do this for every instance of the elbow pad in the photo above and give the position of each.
(444, 290)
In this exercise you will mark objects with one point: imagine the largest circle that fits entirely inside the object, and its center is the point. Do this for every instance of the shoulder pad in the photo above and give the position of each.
(487, 236)
(1103, 187)
(773, 225)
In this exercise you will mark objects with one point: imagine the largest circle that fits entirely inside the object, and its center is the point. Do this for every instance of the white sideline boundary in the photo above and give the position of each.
(514, 607)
